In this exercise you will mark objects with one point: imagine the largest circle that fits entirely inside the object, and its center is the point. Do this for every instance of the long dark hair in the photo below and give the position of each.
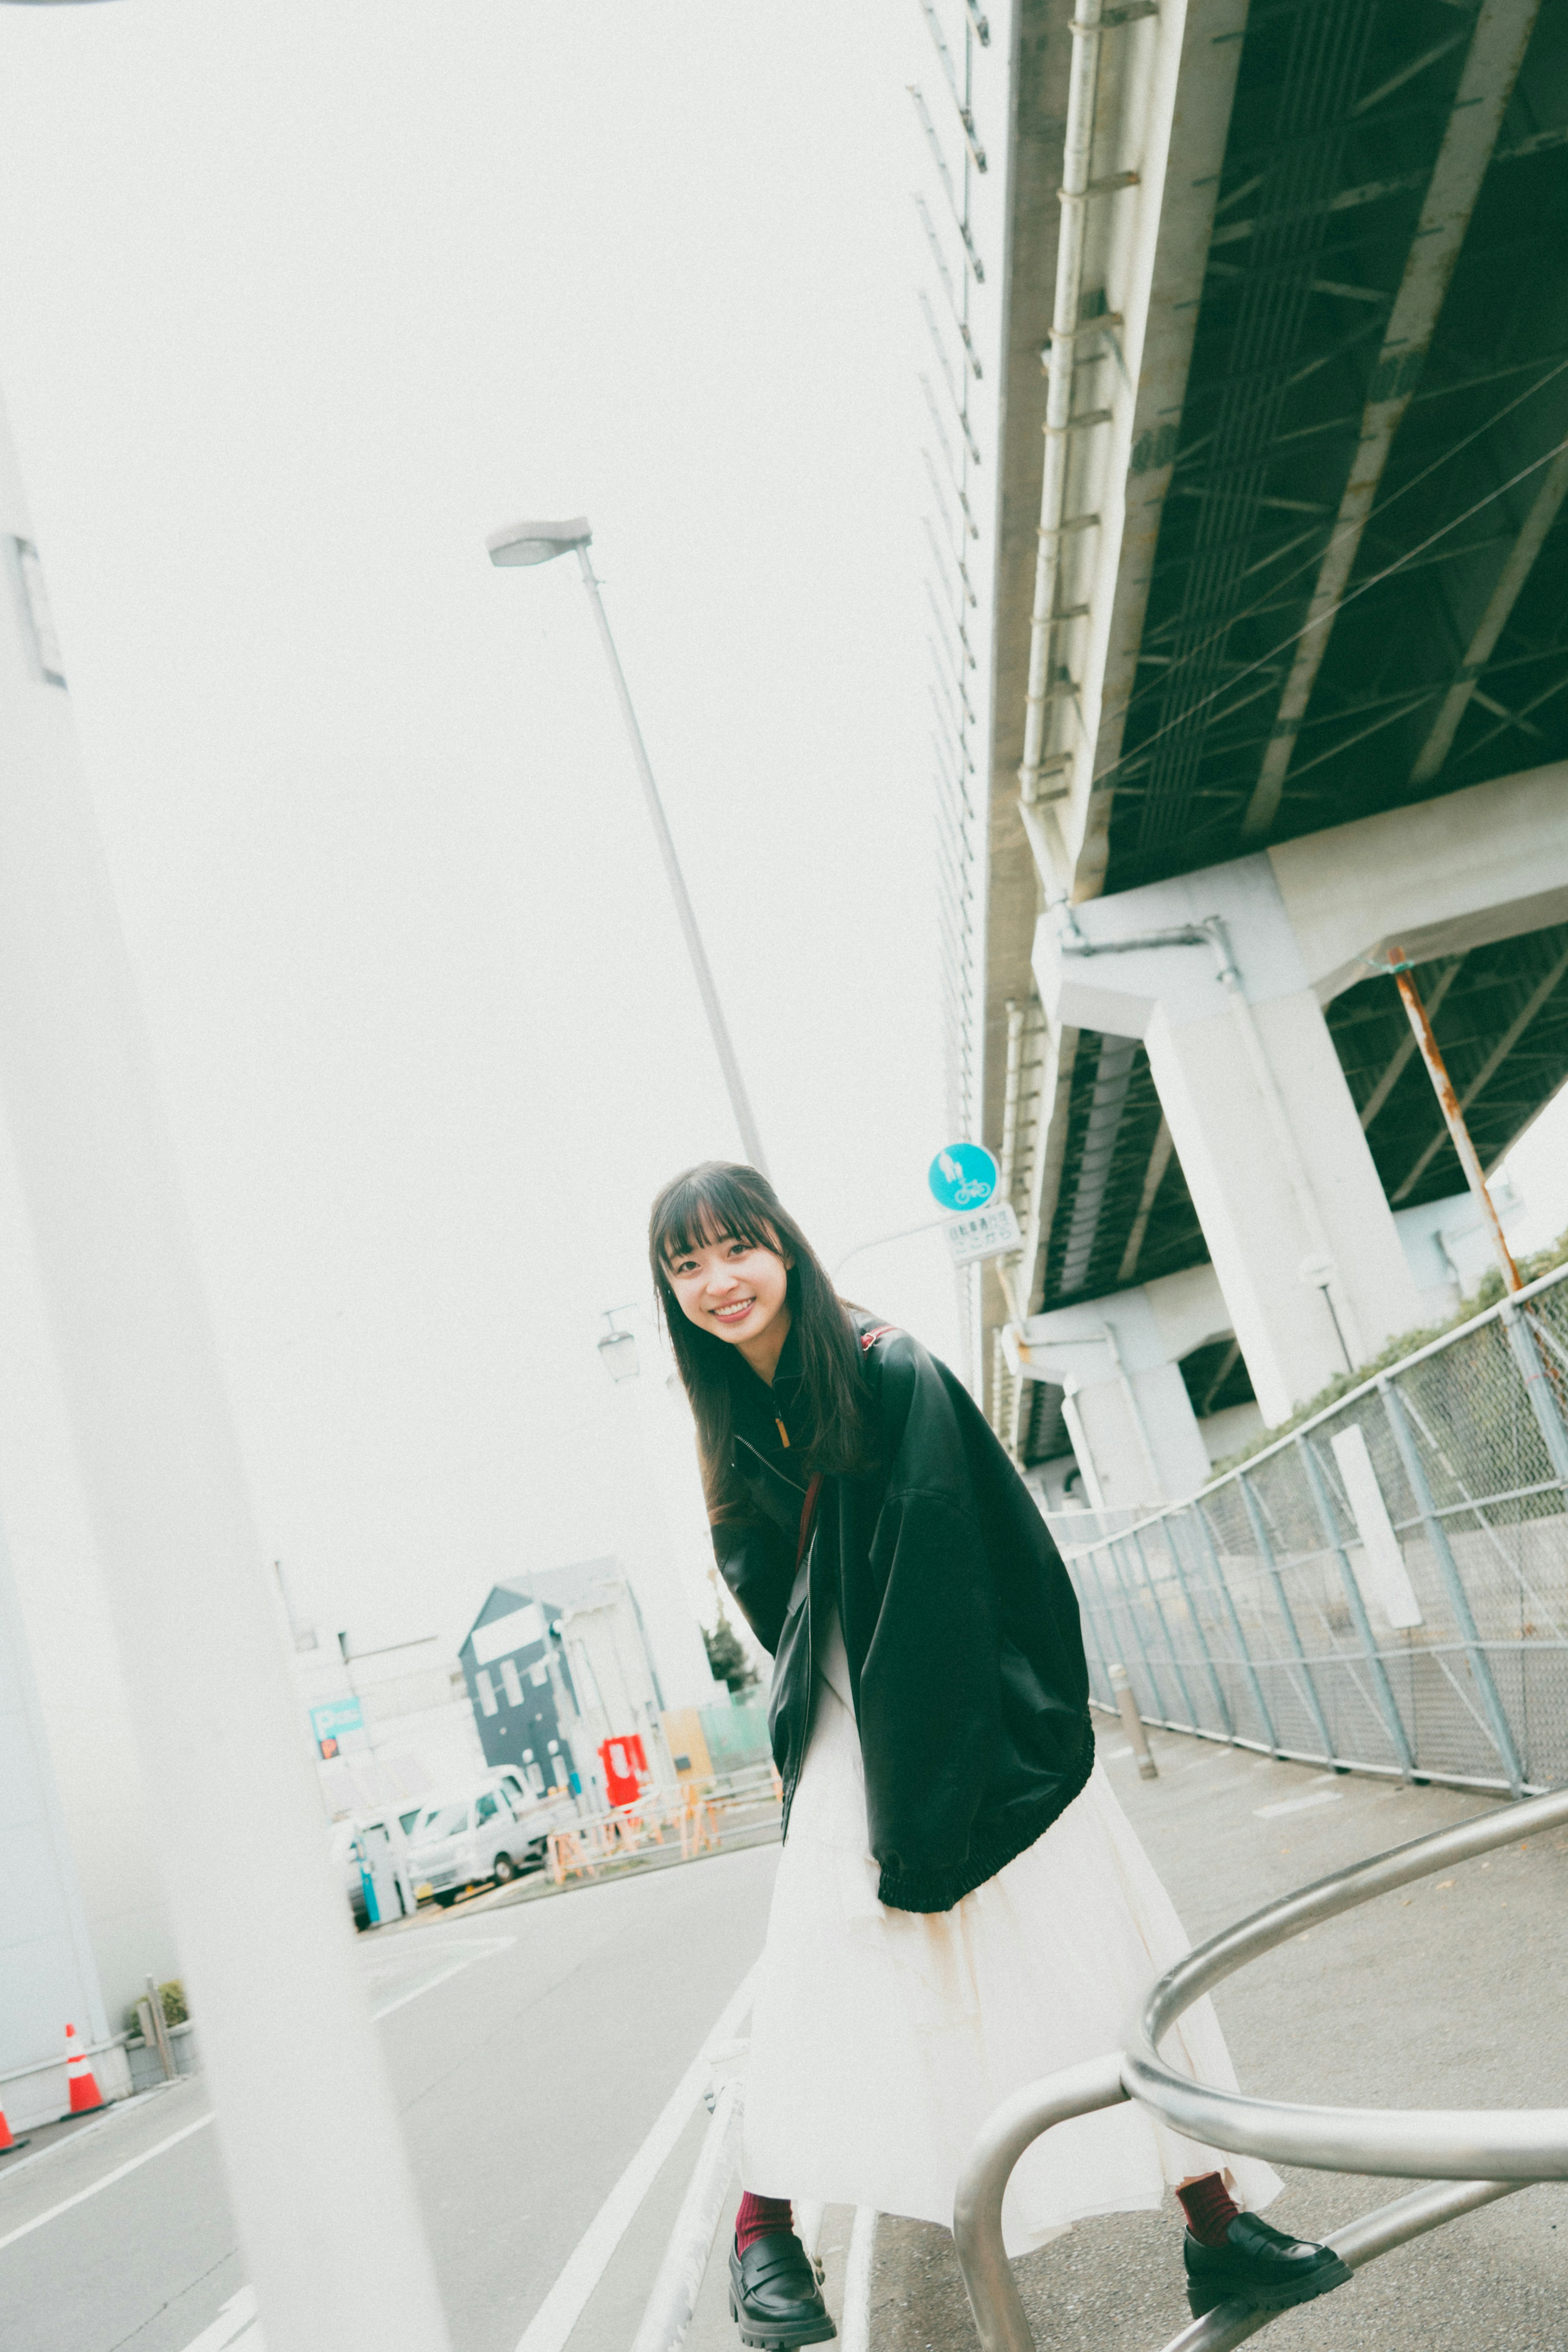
(720, 1199)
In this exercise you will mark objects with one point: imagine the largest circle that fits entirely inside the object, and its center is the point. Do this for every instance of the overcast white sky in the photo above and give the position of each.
(297, 303)
(299, 299)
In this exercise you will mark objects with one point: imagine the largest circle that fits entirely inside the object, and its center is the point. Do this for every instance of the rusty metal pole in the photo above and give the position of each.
(1454, 1119)
(1541, 1388)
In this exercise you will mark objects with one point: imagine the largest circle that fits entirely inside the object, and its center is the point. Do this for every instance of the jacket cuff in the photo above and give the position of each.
(940, 1886)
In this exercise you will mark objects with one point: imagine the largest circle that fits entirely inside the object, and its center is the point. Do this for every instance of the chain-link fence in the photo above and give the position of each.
(1385, 1587)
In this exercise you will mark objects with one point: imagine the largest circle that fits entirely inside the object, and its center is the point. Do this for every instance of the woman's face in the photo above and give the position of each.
(732, 1288)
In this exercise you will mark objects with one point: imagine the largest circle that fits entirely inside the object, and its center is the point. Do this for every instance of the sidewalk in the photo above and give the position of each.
(1447, 1995)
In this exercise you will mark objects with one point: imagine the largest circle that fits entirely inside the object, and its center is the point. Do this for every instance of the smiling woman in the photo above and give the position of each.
(734, 1274)
(961, 1907)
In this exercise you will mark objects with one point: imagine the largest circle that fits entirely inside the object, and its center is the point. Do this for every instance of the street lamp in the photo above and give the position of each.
(527, 543)
(1317, 1273)
(618, 1349)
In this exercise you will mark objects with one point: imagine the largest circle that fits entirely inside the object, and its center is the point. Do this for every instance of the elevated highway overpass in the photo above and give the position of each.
(1277, 635)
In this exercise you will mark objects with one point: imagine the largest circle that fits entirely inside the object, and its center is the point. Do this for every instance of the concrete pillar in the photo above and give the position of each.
(1251, 1087)
(1261, 1116)
(1127, 1410)
(1136, 1436)
(318, 2182)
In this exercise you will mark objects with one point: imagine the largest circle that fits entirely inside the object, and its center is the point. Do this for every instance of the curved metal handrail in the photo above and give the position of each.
(1510, 2148)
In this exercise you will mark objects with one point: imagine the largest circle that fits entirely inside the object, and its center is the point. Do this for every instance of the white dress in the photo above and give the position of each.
(882, 2040)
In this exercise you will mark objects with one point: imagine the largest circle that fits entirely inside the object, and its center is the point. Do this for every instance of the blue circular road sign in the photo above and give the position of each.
(963, 1176)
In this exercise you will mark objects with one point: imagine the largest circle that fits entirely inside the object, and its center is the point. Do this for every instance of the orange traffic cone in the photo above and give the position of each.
(8, 2139)
(84, 2092)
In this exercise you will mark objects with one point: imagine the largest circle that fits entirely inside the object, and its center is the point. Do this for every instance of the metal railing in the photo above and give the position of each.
(1471, 2157)
(1385, 1587)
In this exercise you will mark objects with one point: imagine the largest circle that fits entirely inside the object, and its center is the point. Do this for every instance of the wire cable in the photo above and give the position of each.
(1316, 563)
(1323, 619)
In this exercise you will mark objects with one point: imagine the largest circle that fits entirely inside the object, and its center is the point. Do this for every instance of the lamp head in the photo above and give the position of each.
(618, 1354)
(537, 542)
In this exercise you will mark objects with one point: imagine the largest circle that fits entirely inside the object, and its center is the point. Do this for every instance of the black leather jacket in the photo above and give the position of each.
(960, 1625)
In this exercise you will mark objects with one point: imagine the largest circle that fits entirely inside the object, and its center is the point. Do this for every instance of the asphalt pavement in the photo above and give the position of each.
(530, 2051)
(1448, 1995)
(534, 2047)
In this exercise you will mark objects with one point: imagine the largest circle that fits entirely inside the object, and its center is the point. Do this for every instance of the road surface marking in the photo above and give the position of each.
(563, 2306)
(855, 2332)
(1297, 1804)
(118, 2173)
(236, 2321)
(467, 1955)
(400, 1959)
(478, 1951)
(117, 2107)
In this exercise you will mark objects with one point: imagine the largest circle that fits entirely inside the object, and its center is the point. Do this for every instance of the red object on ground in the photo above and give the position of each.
(81, 2082)
(625, 1767)
(7, 2140)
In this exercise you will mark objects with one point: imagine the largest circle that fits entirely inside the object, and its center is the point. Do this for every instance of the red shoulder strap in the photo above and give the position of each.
(807, 1513)
(868, 1339)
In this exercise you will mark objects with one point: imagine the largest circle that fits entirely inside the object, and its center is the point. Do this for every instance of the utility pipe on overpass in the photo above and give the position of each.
(1089, 21)
(1064, 330)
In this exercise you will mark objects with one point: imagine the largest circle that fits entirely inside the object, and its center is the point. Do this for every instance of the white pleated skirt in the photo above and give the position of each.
(882, 2040)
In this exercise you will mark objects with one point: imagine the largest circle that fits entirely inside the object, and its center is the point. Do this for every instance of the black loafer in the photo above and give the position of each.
(773, 2293)
(1260, 2266)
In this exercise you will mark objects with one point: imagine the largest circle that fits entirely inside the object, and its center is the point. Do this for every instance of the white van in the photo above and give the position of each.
(495, 1830)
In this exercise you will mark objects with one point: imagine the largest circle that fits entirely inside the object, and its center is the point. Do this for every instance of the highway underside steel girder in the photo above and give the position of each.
(1285, 377)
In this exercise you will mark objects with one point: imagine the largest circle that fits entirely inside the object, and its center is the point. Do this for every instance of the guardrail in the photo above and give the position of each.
(1384, 1587)
(696, 1815)
(1471, 2157)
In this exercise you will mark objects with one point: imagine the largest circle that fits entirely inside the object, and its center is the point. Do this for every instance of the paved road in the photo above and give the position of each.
(532, 2048)
(1451, 1995)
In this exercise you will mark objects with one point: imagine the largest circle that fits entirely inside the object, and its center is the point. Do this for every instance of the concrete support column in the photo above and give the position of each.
(1127, 1411)
(1258, 1109)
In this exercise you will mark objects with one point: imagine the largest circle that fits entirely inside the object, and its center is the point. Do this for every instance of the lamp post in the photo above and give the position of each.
(618, 1349)
(528, 543)
(657, 1526)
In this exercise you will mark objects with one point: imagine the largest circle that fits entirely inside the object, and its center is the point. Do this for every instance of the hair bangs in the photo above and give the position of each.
(723, 1200)
(704, 1207)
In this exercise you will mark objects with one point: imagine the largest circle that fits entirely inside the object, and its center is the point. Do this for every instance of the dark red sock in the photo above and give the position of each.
(761, 2216)
(1209, 2208)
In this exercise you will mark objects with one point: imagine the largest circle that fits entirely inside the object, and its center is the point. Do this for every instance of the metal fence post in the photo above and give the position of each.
(1225, 1722)
(1090, 1613)
(1448, 1569)
(1164, 1628)
(1393, 1719)
(1113, 1645)
(1245, 1654)
(1136, 1630)
(1260, 1537)
(1538, 1388)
